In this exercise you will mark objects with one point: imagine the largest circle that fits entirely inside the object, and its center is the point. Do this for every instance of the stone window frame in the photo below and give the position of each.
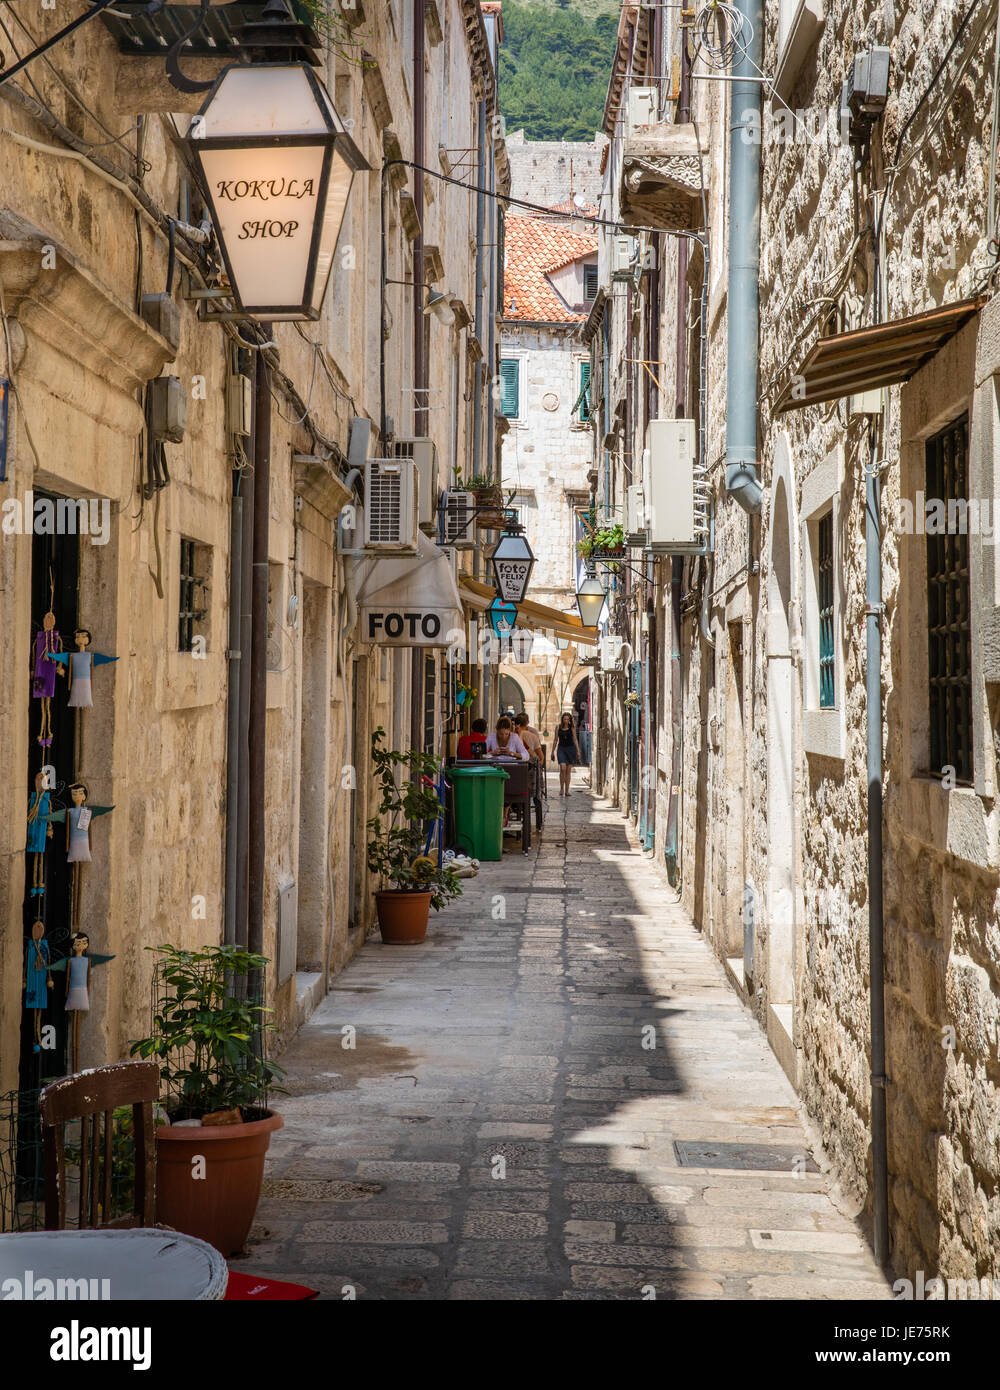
(824, 731)
(955, 820)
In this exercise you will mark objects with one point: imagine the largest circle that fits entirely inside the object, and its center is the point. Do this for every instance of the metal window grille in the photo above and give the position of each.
(187, 613)
(827, 698)
(949, 638)
(430, 700)
(510, 381)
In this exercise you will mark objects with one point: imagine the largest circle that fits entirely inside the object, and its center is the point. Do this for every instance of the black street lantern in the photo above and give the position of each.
(512, 561)
(590, 599)
(278, 165)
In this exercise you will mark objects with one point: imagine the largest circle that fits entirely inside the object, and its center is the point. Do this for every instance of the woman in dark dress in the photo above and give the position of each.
(567, 751)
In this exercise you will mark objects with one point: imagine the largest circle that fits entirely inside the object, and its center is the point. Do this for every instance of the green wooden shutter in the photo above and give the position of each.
(510, 380)
(584, 391)
(827, 688)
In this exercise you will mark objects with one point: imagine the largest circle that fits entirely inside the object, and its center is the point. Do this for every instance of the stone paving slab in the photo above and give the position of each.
(503, 1127)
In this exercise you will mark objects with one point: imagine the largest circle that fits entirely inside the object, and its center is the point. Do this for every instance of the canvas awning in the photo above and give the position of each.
(409, 600)
(866, 359)
(538, 616)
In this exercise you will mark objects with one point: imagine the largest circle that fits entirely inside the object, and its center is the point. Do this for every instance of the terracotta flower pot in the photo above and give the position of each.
(402, 917)
(220, 1206)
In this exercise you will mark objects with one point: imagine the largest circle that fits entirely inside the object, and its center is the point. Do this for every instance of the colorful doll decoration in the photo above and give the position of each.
(48, 646)
(78, 818)
(78, 966)
(80, 664)
(37, 979)
(39, 832)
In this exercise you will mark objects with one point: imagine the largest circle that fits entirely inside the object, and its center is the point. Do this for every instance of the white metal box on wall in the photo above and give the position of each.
(391, 506)
(676, 494)
(423, 452)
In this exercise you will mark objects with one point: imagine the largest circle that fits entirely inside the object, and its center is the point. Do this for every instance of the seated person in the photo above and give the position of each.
(505, 743)
(529, 736)
(468, 743)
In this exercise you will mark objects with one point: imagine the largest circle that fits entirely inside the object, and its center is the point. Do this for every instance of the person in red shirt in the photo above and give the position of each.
(466, 744)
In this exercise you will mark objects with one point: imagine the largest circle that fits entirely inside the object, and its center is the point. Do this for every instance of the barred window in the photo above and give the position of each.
(192, 606)
(949, 638)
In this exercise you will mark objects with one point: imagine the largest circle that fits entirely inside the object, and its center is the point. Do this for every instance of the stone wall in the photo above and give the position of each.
(551, 172)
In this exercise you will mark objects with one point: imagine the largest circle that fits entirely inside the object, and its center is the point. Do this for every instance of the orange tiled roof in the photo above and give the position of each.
(532, 250)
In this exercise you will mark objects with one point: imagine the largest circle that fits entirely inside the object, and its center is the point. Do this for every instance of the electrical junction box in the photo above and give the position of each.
(641, 107)
(239, 404)
(611, 652)
(163, 316)
(624, 257)
(863, 95)
(677, 493)
(167, 409)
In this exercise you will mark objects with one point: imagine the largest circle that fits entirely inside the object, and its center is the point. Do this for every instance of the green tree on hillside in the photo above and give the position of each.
(554, 69)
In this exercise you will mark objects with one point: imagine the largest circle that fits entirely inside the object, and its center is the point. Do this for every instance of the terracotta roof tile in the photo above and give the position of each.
(532, 250)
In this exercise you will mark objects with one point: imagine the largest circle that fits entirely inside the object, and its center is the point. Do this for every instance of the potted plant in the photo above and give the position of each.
(208, 1034)
(464, 694)
(609, 540)
(396, 840)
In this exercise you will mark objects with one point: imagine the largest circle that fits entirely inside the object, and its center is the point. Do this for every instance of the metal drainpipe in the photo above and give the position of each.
(477, 388)
(419, 322)
(743, 308)
(241, 887)
(257, 732)
(873, 691)
(233, 656)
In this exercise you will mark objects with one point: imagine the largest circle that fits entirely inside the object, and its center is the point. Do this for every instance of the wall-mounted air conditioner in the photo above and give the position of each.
(451, 554)
(624, 256)
(611, 652)
(642, 107)
(423, 452)
(460, 519)
(678, 496)
(636, 532)
(391, 506)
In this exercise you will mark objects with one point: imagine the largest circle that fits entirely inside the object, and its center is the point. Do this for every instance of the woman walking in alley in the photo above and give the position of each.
(567, 750)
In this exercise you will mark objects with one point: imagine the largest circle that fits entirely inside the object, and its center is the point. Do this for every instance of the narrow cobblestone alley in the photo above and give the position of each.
(499, 1131)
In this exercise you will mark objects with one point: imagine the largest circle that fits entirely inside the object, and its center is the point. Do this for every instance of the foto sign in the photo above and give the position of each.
(512, 578)
(403, 627)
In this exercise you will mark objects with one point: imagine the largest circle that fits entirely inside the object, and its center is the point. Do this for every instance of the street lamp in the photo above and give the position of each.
(278, 164)
(439, 305)
(512, 561)
(590, 599)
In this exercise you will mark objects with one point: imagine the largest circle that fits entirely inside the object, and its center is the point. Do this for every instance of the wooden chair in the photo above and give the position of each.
(87, 1097)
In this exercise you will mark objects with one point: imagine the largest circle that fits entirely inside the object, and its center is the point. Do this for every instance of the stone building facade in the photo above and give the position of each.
(88, 226)
(550, 269)
(744, 765)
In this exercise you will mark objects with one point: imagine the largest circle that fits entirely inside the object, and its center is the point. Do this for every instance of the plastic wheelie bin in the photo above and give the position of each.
(478, 793)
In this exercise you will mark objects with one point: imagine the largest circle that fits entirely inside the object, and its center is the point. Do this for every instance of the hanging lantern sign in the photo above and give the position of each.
(278, 165)
(502, 617)
(512, 561)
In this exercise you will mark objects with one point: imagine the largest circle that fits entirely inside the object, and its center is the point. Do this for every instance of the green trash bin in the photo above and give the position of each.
(478, 793)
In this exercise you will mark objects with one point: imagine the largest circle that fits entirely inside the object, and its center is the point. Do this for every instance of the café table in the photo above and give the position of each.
(138, 1263)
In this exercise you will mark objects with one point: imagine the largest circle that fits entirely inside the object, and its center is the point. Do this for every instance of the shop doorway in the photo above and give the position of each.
(511, 697)
(582, 714)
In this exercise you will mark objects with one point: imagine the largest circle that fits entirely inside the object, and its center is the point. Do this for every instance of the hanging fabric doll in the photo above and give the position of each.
(77, 967)
(80, 664)
(48, 646)
(39, 832)
(78, 818)
(37, 979)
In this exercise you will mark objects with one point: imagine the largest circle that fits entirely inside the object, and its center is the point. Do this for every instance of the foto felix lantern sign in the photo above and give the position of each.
(278, 165)
(512, 561)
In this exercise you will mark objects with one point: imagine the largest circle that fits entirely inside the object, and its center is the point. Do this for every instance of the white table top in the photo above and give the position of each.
(139, 1264)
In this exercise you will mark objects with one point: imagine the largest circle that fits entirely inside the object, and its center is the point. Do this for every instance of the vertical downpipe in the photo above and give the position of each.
(234, 659)
(419, 326)
(743, 307)
(873, 692)
(257, 733)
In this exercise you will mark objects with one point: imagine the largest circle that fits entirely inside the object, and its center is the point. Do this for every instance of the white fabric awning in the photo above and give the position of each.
(409, 600)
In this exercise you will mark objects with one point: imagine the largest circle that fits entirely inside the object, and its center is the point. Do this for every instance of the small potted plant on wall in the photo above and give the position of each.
(208, 1035)
(396, 842)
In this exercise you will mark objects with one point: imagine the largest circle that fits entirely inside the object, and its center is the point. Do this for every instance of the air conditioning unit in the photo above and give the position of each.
(636, 533)
(460, 519)
(451, 554)
(624, 254)
(611, 652)
(642, 107)
(677, 492)
(391, 506)
(423, 452)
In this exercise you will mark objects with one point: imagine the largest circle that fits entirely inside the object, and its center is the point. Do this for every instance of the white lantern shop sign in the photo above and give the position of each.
(278, 165)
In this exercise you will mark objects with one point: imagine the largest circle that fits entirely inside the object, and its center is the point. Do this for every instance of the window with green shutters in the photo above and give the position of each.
(949, 632)
(824, 536)
(584, 391)
(510, 388)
